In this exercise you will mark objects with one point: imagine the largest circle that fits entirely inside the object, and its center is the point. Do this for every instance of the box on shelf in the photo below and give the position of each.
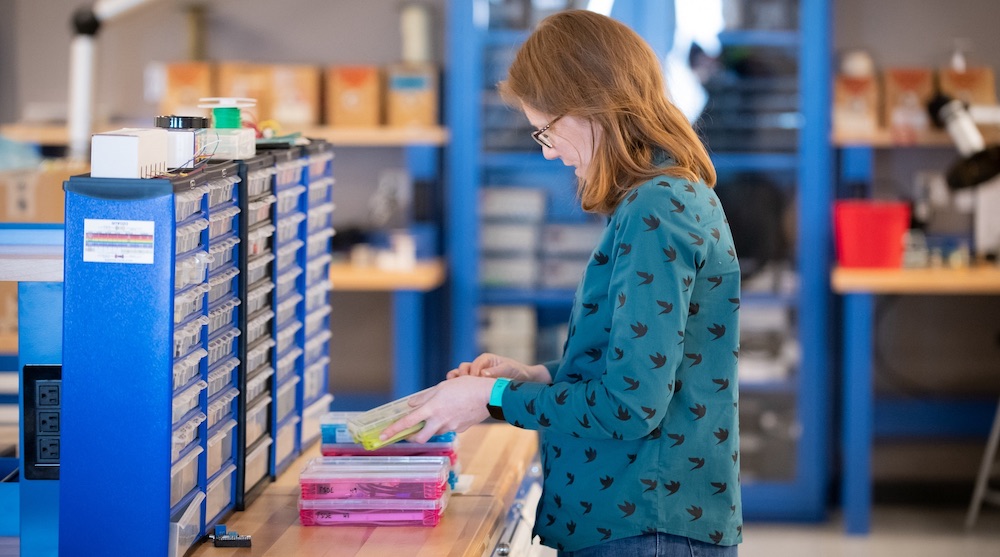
(907, 92)
(974, 86)
(246, 80)
(411, 95)
(295, 94)
(353, 96)
(855, 107)
(184, 84)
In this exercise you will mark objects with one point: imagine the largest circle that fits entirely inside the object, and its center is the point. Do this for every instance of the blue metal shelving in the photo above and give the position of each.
(801, 494)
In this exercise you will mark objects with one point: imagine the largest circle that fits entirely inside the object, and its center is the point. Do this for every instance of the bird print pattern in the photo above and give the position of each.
(639, 428)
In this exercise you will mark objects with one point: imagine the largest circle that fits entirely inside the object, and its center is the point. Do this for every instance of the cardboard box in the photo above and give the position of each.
(973, 86)
(295, 94)
(253, 81)
(855, 107)
(411, 95)
(904, 112)
(35, 196)
(185, 83)
(353, 96)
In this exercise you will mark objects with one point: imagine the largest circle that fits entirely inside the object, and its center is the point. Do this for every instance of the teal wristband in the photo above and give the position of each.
(496, 395)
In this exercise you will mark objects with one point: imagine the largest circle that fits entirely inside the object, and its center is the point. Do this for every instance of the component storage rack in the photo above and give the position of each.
(151, 359)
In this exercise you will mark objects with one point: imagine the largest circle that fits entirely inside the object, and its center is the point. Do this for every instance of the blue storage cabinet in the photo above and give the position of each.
(313, 395)
(289, 278)
(254, 439)
(790, 479)
(149, 317)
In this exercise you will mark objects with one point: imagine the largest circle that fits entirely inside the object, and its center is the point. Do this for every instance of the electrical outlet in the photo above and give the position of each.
(41, 421)
(48, 450)
(48, 422)
(47, 393)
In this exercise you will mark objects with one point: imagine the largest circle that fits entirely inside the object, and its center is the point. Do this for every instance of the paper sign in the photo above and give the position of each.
(118, 241)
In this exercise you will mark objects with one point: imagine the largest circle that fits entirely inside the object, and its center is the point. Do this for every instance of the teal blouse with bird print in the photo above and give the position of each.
(638, 429)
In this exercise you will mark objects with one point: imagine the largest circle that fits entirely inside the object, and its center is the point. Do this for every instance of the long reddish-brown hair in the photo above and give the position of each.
(583, 64)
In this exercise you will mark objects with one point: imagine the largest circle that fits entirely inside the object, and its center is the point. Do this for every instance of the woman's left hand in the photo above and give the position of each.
(452, 405)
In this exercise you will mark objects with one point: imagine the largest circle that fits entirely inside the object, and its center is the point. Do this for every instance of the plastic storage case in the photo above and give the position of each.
(257, 420)
(320, 217)
(257, 463)
(220, 447)
(222, 253)
(288, 227)
(187, 400)
(286, 363)
(371, 512)
(184, 475)
(221, 376)
(185, 434)
(188, 202)
(288, 253)
(185, 528)
(366, 427)
(188, 335)
(259, 296)
(375, 477)
(260, 211)
(189, 236)
(220, 492)
(259, 181)
(186, 368)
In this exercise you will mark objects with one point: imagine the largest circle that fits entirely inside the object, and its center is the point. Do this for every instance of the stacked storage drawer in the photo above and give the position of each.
(188, 414)
(319, 230)
(257, 312)
(151, 288)
(288, 297)
(222, 362)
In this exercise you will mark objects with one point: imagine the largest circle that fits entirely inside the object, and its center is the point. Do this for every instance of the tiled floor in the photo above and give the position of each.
(897, 531)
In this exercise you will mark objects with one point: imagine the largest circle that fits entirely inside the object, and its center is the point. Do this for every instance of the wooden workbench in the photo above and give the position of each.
(859, 287)
(497, 455)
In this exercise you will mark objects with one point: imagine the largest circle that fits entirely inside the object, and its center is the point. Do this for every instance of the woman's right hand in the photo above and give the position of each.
(492, 365)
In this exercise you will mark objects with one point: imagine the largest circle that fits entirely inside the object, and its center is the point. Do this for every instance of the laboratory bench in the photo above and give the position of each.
(497, 456)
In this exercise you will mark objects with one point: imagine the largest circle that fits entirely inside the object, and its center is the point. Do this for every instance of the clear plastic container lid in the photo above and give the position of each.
(356, 505)
(356, 467)
(366, 427)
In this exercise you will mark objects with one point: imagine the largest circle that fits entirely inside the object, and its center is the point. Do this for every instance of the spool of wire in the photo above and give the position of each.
(226, 111)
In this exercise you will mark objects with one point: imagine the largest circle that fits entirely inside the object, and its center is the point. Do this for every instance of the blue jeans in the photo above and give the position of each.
(654, 545)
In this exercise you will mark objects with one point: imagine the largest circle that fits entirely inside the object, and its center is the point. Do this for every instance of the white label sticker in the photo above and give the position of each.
(118, 241)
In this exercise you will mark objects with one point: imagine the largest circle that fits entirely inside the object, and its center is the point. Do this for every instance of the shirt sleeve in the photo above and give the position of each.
(659, 247)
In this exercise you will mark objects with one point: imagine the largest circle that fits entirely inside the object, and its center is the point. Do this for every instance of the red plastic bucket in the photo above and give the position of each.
(870, 233)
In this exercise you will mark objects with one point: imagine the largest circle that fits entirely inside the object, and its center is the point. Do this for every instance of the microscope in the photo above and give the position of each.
(978, 167)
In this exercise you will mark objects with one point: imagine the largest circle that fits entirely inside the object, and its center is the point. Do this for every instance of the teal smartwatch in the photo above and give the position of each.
(495, 405)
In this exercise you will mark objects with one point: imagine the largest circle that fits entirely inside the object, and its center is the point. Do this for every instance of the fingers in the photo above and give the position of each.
(465, 368)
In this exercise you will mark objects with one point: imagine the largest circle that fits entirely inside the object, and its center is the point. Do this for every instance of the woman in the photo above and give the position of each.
(638, 419)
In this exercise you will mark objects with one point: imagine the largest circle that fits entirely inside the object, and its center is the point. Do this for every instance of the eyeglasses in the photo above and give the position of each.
(539, 135)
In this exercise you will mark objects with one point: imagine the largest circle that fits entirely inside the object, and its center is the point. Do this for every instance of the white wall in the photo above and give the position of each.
(295, 31)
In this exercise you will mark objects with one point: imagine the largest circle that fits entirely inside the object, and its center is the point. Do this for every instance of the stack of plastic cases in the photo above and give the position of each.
(318, 201)
(287, 323)
(374, 490)
(223, 365)
(254, 439)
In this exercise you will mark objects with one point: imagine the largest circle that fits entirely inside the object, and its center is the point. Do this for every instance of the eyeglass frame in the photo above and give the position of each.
(537, 134)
